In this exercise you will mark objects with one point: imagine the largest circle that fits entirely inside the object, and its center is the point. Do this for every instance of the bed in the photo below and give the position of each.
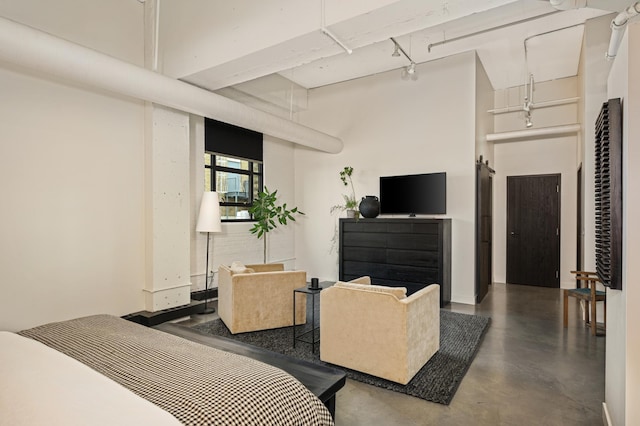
(136, 374)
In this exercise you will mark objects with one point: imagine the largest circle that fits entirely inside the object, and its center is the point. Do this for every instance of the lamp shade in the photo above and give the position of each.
(209, 217)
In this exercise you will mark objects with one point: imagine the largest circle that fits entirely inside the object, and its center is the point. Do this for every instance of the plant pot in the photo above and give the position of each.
(353, 214)
(370, 206)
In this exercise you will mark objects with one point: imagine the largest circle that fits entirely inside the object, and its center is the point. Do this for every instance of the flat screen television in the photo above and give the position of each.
(414, 194)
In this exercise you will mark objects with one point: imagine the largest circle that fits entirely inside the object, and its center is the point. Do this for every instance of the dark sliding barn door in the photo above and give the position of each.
(579, 224)
(484, 228)
(533, 230)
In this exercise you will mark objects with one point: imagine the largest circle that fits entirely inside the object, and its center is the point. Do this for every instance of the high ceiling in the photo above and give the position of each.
(512, 38)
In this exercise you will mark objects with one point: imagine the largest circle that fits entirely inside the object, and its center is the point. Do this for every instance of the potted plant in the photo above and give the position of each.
(350, 203)
(268, 215)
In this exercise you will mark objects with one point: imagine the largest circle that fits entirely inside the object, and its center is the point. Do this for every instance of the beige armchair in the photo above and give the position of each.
(377, 330)
(259, 297)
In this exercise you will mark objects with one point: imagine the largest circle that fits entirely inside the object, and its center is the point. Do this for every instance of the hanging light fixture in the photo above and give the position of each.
(408, 72)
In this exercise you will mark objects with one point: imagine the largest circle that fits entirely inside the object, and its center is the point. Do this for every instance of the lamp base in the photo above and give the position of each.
(207, 311)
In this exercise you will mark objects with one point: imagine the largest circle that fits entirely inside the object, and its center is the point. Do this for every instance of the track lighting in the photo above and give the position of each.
(528, 100)
(408, 72)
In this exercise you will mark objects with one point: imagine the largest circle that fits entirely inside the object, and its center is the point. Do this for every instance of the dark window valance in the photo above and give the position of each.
(231, 140)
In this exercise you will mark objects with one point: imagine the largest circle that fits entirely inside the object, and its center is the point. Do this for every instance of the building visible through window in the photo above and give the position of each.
(237, 182)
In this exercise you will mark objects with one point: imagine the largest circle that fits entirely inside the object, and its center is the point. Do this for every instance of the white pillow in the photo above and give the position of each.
(239, 268)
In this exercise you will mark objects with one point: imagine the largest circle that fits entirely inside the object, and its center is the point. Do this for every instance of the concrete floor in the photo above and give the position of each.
(528, 371)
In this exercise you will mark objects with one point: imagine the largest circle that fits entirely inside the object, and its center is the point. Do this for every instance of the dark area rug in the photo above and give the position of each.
(437, 381)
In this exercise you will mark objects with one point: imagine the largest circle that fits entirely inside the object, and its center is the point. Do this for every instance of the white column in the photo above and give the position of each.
(167, 208)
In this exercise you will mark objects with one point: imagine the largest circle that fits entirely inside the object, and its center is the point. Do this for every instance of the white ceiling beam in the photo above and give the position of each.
(257, 45)
(201, 34)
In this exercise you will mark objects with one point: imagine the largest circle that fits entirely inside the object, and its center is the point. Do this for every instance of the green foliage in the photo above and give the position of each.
(346, 174)
(268, 214)
(350, 202)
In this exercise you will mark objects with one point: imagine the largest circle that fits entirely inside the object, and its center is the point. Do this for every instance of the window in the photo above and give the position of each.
(237, 182)
(233, 167)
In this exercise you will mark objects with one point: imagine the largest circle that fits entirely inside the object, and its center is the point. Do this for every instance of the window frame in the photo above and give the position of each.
(250, 173)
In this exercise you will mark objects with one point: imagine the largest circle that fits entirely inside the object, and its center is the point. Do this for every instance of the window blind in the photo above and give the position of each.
(233, 141)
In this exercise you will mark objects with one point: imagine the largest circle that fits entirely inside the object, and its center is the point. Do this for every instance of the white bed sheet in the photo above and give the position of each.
(41, 386)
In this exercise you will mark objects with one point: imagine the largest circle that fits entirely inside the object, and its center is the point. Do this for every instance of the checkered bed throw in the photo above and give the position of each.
(197, 384)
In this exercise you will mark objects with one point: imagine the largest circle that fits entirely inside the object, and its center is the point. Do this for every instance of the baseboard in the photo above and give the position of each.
(606, 418)
(151, 319)
(196, 306)
(212, 293)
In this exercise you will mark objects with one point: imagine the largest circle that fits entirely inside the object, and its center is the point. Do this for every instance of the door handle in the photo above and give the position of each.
(514, 234)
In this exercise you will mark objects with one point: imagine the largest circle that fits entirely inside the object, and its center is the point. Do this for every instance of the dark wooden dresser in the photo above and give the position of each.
(411, 253)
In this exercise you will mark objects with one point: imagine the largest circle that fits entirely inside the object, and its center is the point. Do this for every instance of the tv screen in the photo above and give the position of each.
(414, 194)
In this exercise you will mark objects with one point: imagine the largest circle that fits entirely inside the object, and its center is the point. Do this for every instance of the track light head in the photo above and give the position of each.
(409, 72)
(396, 51)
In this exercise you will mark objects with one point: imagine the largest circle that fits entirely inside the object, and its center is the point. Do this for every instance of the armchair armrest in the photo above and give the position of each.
(268, 267)
(272, 278)
(432, 290)
(423, 324)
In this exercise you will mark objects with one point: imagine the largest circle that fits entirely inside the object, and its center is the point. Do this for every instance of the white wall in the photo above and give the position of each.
(622, 381)
(594, 80)
(484, 121)
(72, 176)
(539, 156)
(392, 127)
(632, 227)
(279, 174)
(235, 242)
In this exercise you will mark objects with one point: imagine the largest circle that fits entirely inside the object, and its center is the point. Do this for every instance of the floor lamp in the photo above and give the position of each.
(208, 221)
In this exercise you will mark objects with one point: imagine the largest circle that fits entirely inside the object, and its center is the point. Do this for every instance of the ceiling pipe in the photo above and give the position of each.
(336, 40)
(325, 30)
(568, 4)
(618, 26)
(42, 52)
(488, 30)
(534, 133)
(534, 105)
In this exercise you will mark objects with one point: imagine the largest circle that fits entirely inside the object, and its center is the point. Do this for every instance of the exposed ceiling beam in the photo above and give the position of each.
(42, 52)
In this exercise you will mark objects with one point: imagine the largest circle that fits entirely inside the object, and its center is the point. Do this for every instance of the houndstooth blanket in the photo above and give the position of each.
(197, 384)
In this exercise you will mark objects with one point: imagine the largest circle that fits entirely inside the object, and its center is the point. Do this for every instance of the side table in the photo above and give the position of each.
(300, 337)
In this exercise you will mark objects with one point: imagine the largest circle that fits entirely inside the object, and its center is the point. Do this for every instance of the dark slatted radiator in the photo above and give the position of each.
(608, 194)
